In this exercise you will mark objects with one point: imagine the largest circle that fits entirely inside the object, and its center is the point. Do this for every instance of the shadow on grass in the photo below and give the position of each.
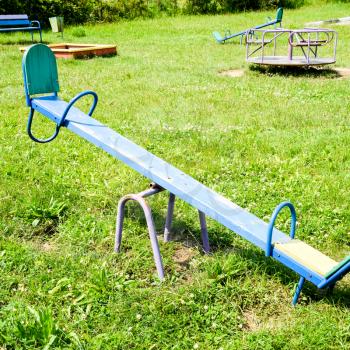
(191, 237)
(297, 72)
(91, 56)
(233, 41)
(279, 272)
(180, 230)
(26, 42)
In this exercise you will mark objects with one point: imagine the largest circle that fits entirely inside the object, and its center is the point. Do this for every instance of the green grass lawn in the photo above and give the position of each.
(259, 140)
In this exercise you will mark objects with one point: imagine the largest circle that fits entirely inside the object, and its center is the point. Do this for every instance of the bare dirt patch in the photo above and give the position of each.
(343, 72)
(183, 257)
(47, 247)
(44, 246)
(234, 73)
(251, 321)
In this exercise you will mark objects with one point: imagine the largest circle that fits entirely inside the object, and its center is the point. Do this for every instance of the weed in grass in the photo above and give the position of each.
(44, 219)
(39, 328)
(78, 32)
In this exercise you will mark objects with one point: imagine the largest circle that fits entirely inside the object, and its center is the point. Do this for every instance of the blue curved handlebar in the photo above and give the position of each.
(75, 99)
(29, 130)
(64, 115)
(268, 250)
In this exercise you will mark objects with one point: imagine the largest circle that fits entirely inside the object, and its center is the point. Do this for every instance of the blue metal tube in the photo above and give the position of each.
(335, 277)
(64, 115)
(298, 290)
(268, 249)
(30, 134)
(75, 99)
(228, 35)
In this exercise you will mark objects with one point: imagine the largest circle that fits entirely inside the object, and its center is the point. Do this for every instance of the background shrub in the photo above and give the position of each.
(73, 11)
(82, 11)
(224, 6)
(78, 32)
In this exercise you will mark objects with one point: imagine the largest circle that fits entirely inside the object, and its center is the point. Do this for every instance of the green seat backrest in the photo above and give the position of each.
(337, 267)
(279, 14)
(40, 69)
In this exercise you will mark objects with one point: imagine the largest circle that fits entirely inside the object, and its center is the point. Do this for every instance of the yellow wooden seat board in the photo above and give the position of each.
(307, 256)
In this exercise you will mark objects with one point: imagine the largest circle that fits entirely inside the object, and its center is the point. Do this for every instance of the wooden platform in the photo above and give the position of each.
(307, 256)
(67, 50)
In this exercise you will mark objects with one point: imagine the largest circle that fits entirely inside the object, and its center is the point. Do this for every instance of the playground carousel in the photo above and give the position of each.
(291, 47)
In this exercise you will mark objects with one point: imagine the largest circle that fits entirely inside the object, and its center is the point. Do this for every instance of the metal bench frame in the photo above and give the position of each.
(19, 23)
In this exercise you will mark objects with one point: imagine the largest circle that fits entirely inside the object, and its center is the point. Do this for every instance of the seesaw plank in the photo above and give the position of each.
(174, 180)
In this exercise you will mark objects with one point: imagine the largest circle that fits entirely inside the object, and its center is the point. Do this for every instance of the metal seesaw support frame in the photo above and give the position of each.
(140, 198)
(41, 78)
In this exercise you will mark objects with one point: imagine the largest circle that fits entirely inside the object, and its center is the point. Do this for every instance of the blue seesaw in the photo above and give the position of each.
(228, 35)
(41, 88)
